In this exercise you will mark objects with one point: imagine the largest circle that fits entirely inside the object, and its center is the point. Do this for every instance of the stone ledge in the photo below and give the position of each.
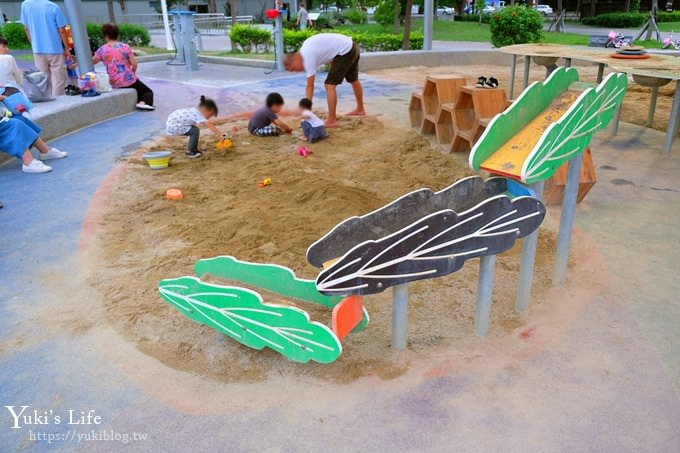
(69, 113)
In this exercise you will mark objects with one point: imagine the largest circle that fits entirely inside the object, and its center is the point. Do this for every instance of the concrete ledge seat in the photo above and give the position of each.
(70, 113)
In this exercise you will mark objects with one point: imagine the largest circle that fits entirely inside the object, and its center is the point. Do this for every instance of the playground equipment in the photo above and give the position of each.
(549, 124)
(421, 235)
(456, 113)
(186, 38)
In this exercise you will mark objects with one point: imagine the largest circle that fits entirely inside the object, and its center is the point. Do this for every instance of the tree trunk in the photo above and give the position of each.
(626, 6)
(112, 13)
(405, 44)
(650, 25)
(560, 20)
(593, 8)
(122, 8)
(232, 4)
(397, 13)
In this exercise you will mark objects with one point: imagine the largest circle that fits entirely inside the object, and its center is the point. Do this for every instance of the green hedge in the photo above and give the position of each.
(134, 35)
(474, 18)
(355, 16)
(368, 42)
(669, 17)
(515, 25)
(16, 36)
(616, 20)
(249, 38)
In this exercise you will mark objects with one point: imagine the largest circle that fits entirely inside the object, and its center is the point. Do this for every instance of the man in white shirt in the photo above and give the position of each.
(342, 54)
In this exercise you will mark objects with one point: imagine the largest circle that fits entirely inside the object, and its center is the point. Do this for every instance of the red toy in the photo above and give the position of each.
(303, 151)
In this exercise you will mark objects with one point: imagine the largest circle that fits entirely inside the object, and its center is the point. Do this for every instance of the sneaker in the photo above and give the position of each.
(36, 167)
(53, 153)
(193, 155)
(143, 106)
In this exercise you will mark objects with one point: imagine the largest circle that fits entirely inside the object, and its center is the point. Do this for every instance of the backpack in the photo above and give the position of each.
(37, 86)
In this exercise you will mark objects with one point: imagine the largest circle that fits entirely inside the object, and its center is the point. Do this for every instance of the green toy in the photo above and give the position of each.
(242, 314)
(549, 124)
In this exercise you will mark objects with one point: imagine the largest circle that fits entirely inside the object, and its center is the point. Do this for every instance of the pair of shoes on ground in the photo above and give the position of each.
(145, 106)
(483, 82)
(90, 93)
(193, 155)
(36, 166)
(72, 90)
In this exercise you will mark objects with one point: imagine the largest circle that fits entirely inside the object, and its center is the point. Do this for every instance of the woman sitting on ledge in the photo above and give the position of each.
(17, 137)
(121, 66)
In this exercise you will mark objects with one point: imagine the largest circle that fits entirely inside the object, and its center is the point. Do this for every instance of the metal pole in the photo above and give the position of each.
(527, 259)
(81, 42)
(513, 68)
(652, 106)
(673, 121)
(527, 68)
(189, 41)
(427, 24)
(567, 62)
(614, 127)
(567, 219)
(166, 25)
(484, 293)
(278, 32)
(600, 72)
(399, 315)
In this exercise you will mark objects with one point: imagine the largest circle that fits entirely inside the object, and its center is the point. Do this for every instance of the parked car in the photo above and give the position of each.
(544, 9)
(445, 11)
(488, 9)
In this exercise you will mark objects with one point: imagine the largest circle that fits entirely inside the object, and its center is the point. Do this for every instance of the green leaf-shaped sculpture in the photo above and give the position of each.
(591, 110)
(241, 314)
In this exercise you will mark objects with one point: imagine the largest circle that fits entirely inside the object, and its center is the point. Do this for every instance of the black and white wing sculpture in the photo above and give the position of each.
(434, 245)
(402, 212)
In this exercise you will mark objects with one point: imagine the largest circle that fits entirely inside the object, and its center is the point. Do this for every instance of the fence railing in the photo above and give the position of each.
(206, 23)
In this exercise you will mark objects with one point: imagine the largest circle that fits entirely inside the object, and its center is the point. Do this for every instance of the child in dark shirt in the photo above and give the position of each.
(264, 122)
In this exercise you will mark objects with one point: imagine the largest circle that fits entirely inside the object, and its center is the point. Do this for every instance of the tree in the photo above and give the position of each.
(396, 16)
(232, 4)
(407, 26)
(112, 12)
(479, 6)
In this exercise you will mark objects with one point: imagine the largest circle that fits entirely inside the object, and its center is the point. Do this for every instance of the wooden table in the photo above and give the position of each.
(658, 70)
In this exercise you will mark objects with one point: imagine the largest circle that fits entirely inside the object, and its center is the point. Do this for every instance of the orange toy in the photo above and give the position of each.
(224, 144)
(174, 194)
(265, 182)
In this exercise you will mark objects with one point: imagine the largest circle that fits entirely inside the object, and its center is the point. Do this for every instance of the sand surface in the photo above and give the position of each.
(635, 104)
(144, 238)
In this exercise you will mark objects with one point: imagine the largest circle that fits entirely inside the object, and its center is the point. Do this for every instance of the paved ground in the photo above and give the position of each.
(610, 381)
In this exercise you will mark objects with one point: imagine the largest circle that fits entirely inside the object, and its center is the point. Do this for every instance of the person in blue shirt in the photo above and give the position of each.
(45, 27)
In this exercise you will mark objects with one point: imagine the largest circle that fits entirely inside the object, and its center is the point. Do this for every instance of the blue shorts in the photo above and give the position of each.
(16, 137)
(313, 134)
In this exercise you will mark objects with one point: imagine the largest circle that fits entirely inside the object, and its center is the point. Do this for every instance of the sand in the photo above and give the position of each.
(635, 104)
(143, 238)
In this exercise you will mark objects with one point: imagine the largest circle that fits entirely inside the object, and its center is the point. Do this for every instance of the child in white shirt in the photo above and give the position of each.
(313, 127)
(187, 121)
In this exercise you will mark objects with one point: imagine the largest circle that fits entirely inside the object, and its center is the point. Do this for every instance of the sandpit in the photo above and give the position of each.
(635, 104)
(144, 238)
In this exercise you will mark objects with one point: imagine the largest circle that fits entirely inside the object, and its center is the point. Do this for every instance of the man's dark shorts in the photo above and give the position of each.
(344, 67)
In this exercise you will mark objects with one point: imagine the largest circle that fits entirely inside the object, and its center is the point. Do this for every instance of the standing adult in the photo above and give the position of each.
(302, 17)
(343, 56)
(45, 27)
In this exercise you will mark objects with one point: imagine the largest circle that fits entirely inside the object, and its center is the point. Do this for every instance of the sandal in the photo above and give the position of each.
(72, 90)
(481, 80)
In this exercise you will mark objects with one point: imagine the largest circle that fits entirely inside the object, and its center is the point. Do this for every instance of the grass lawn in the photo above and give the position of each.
(444, 30)
(670, 26)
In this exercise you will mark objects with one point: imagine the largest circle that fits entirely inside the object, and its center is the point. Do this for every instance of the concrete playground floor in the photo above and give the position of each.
(608, 381)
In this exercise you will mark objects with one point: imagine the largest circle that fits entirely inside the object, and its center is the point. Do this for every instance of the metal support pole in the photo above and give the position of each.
(513, 69)
(178, 37)
(81, 43)
(278, 45)
(567, 219)
(600, 72)
(399, 315)
(527, 68)
(166, 25)
(189, 41)
(427, 24)
(652, 106)
(527, 259)
(484, 294)
(673, 121)
(614, 127)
